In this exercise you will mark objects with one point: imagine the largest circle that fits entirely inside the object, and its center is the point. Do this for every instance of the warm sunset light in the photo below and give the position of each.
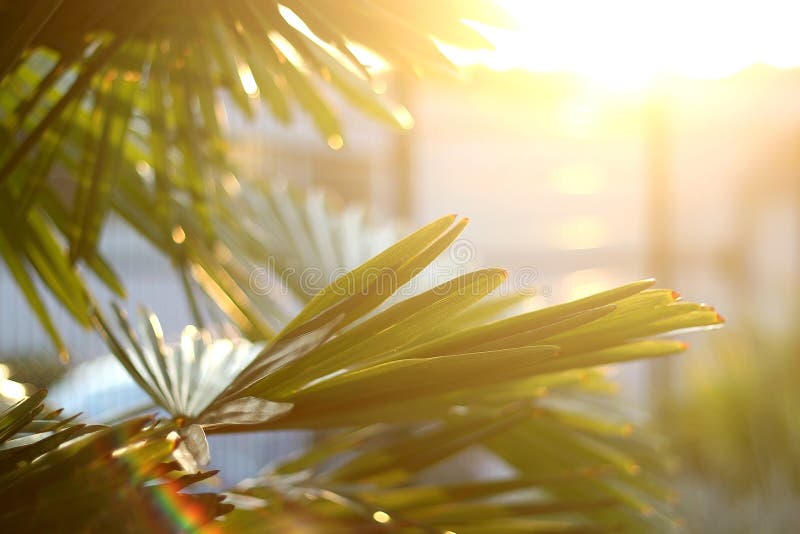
(627, 43)
(394, 266)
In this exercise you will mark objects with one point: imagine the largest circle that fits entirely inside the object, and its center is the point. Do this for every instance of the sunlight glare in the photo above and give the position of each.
(381, 517)
(12, 390)
(580, 233)
(577, 179)
(248, 80)
(178, 235)
(627, 44)
(403, 117)
(335, 141)
(586, 282)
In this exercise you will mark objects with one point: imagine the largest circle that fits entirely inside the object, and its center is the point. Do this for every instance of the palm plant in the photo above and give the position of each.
(403, 398)
(109, 108)
(58, 475)
(116, 108)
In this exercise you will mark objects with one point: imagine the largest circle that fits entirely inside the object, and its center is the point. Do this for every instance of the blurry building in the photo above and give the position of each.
(694, 182)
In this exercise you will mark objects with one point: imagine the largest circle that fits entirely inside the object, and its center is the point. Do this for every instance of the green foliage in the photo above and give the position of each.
(271, 237)
(403, 385)
(358, 479)
(746, 459)
(57, 475)
(114, 107)
(407, 386)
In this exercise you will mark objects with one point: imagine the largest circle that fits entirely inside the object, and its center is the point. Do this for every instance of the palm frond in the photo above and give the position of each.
(339, 363)
(373, 479)
(518, 387)
(278, 247)
(114, 108)
(58, 475)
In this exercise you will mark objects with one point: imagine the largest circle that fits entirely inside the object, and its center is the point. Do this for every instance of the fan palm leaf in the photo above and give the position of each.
(517, 386)
(361, 368)
(57, 475)
(114, 108)
(374, 480)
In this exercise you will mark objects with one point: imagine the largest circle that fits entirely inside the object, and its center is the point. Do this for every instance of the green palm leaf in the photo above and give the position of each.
(414, 386)
(59, 475)
(341, 361)
(92, 92)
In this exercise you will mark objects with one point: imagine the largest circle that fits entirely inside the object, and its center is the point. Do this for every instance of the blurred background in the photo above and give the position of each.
(600, 143)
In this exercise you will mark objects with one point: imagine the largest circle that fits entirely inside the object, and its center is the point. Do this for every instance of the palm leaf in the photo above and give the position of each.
(343, 361)
(91, 477)
(374, 480)
(516, 386)
(98, 90)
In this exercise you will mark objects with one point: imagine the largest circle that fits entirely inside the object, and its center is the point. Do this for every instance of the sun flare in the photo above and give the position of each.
(628, 43)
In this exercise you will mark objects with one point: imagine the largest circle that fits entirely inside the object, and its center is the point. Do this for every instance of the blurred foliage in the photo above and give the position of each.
(735, 428)
(262, 278)
(118, 108)
(371, 482)
(36, 370)
(60, 476)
